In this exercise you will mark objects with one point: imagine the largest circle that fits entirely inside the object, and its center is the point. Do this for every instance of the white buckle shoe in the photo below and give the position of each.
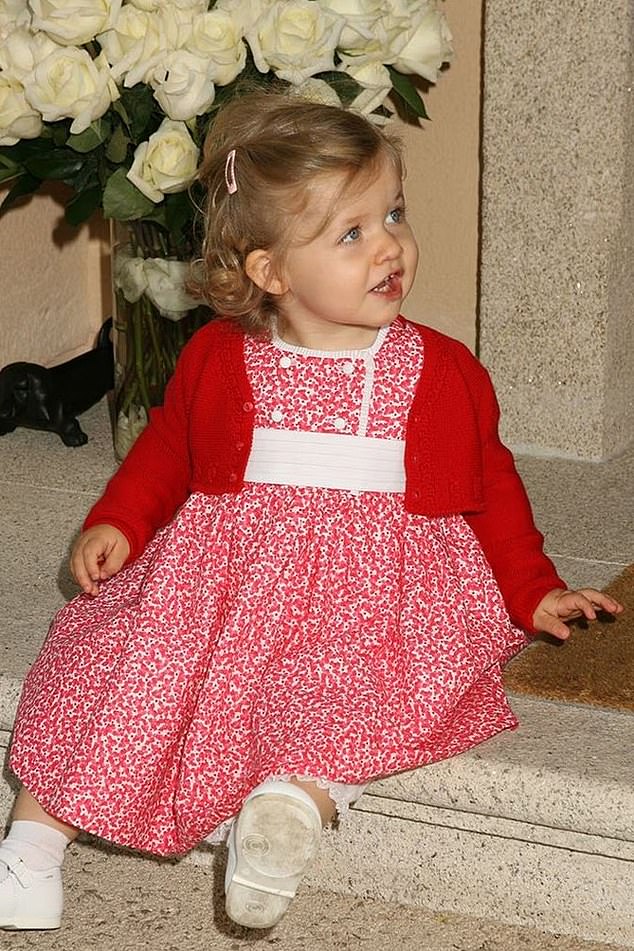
(272, 843)
(29, 901)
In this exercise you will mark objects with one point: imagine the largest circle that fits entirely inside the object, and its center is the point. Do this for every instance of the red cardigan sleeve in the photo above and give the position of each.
(154, 478)
(505, 526)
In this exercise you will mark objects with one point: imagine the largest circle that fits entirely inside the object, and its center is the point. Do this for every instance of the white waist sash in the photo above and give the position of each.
(326, 460)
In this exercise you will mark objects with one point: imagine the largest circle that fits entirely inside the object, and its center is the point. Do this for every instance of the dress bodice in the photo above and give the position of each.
(352, 392)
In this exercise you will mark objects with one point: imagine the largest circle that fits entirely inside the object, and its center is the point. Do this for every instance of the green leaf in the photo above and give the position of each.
(123, 200)
(88, 177)
(345, 86)
(8, 172)
(91, 138)
(119, 108)
(7, 159)
(178, 212)
(117, 147)
(24, 149)
(59, 133)
(138, 104)
(59, 164)
(83, 205)
(408, 92)
(25, 185)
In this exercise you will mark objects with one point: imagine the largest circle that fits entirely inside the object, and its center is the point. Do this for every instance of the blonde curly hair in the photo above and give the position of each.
(283, 144)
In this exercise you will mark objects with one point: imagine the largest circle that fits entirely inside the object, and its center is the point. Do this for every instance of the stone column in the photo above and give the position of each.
(556, 324)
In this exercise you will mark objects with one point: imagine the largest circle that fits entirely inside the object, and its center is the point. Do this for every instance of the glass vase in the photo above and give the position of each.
(153, 318)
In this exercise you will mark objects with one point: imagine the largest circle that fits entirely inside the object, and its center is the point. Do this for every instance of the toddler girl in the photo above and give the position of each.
(312, 566)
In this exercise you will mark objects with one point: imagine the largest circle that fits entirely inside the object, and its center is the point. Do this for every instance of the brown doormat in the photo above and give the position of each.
(595, 665)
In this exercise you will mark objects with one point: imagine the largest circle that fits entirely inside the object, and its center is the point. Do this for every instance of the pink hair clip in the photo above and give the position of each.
(230, 172)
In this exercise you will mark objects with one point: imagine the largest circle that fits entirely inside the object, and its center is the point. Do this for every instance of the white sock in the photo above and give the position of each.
(41, 847)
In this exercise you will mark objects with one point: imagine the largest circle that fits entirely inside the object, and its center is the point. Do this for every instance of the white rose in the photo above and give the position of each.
(295, 39)
(69, 84)
(148, 6)
(124, 43)
(22, 51)
(73, 22)
(217, 38)
(166, 286)
(376, 44)
(182, 86)
(377, 83)
(166, 163)
(161, 279)
(139, 41)
(177, 24)
(13, 14)
(425, 44)
(18, 120)
(128, 274)
(193, 6)
(361, 21)
(244, 15)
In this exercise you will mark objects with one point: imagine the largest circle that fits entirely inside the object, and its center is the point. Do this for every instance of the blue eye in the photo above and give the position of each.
(396, 215)
(350, 236)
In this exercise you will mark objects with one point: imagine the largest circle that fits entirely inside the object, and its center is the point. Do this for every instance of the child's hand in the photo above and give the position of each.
(98, 554)
(559, 606)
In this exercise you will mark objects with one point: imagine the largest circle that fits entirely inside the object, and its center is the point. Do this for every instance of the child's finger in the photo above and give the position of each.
(576, 604)
(599, 601)
(112, 563)
(589, 610)
(89, 558)
(605, 602)
(82, 575)
(93, 554)
(557, 628)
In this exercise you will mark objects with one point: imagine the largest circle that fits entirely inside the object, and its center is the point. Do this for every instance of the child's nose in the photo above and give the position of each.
(388, 246)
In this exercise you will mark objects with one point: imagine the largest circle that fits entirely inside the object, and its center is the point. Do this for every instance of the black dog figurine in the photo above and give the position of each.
(50, 398)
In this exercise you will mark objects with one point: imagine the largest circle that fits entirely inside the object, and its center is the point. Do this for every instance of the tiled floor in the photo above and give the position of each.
(586, 512)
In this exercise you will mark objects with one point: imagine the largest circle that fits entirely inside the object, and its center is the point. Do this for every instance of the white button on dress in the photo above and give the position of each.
(277, 415)
(340, 423)
(286, 362)
(348, 368)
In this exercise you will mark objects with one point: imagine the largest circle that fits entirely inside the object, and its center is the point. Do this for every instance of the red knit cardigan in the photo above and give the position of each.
(199, 441)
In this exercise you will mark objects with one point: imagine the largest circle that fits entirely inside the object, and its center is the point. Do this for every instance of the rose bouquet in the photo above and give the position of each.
(113, 99)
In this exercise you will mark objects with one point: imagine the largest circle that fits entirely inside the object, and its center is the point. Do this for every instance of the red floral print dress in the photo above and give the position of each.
(281, 631)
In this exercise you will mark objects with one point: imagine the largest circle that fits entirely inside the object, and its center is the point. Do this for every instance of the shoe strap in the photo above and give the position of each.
(17, 868)
(260, 887)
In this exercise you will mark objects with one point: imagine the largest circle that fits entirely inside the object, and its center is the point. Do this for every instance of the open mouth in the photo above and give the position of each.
(389, 286)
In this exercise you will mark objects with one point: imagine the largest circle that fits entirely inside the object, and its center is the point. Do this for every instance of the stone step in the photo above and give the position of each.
(534, 828)
(130, 903)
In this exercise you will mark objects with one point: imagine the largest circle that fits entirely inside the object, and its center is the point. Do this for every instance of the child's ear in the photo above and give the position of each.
(259, 267)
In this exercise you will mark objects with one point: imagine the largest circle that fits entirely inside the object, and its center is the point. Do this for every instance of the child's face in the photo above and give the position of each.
(350, 280)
